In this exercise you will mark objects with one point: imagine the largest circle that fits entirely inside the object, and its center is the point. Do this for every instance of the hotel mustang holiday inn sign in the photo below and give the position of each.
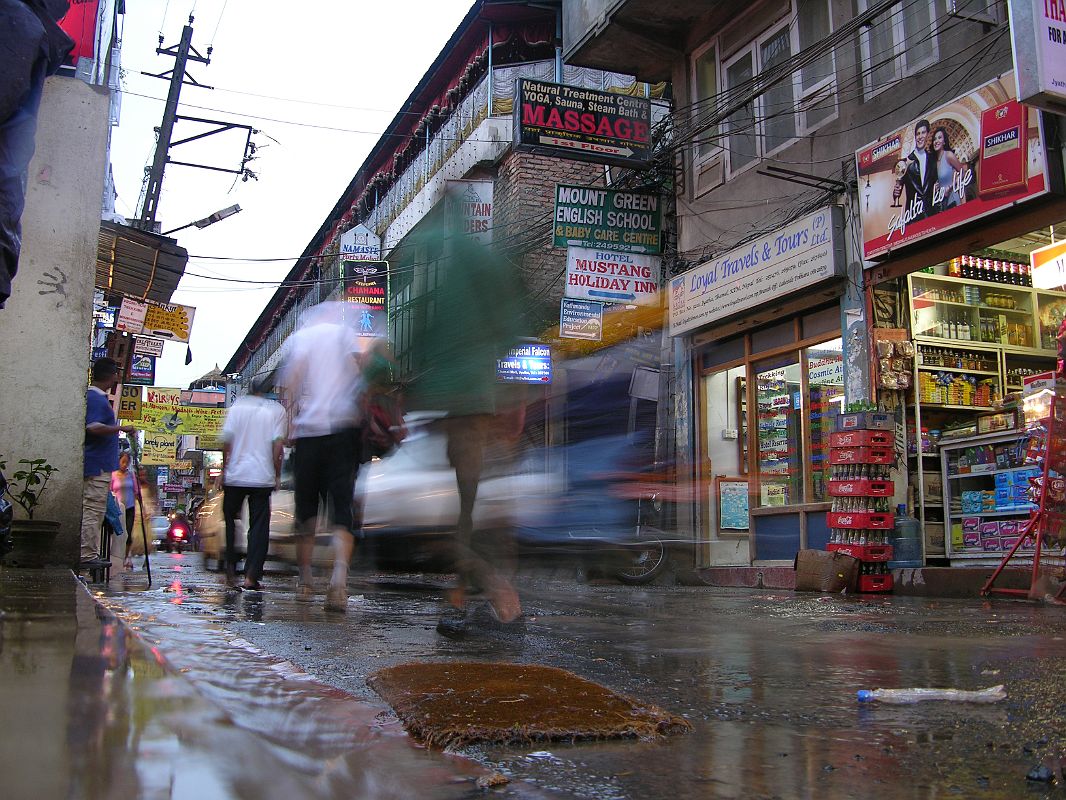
(782, 263)
(992, 158)
(587, 124)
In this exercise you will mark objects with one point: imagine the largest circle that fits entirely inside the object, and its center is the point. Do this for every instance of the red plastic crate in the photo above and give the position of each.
(863, 552)
(862, 438)
(869, 520)
(861, 487)
(875, 583)
(862, 455)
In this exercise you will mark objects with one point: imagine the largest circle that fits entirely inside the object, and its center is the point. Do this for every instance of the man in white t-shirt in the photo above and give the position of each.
(323, 382)
(251, 468)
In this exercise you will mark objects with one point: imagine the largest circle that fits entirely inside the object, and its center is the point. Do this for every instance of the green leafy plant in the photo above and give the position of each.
(26, 485)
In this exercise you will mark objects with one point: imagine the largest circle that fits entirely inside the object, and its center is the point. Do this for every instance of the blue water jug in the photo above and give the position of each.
(906, 541)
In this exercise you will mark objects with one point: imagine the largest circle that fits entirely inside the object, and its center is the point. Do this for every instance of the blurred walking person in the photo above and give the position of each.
(126, 488)
(252, 438)
(322, 381)
(479, 305)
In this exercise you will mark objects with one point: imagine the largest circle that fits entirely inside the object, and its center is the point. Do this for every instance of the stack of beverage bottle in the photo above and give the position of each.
(861, 453)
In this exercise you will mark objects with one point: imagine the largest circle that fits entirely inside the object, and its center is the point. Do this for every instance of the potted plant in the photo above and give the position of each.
(32, 538)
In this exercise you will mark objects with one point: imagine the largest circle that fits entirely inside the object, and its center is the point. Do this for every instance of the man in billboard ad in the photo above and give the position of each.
(976, 155)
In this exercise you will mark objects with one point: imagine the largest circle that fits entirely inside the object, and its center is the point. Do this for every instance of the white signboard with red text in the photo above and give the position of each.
(612, 277)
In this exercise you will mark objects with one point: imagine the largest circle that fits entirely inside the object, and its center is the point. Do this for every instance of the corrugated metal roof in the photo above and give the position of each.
(137, 263)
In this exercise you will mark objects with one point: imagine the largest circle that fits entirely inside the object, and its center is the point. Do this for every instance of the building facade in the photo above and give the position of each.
(799, 250)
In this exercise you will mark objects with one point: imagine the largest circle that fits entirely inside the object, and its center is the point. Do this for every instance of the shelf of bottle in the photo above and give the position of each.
(951, 407)
(1015, 513)
(979, 306)
(934, 368)
(968, 281)
(983, 473)
(959, 344)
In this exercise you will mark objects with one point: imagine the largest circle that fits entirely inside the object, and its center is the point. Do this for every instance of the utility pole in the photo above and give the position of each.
(183, 53)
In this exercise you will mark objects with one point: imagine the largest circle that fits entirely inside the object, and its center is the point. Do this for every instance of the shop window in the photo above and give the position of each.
(773, 337)
(779, 435)
(825, 397)
(723, 352)
(897, 44)
(820, 322)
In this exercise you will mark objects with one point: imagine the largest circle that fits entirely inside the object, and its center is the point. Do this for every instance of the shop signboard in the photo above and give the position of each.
(129, 403)
(608, 276)
(172, 322)
(360, 244)
(163, 412)
(1049, 266)
(471, 206)
(587, 124)
(795, 257)
(174, 488)
(144, 345)
(162, 475)
(79, 23)
(581, 319)
(527, 363)
(158, 449)
(142, 370)
(607, 219)
(1038, 42)
(131, 315)
(366, 283)
(159, 320)
(993, 158)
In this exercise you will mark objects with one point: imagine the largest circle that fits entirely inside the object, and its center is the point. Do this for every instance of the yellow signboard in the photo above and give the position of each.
(162, 412)
(168, 321)
(129, 403)
(159, 449)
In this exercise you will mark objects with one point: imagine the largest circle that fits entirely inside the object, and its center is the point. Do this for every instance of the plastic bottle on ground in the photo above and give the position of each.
(993, 694)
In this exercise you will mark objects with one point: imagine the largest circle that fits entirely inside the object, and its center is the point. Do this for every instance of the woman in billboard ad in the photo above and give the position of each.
(971, 157)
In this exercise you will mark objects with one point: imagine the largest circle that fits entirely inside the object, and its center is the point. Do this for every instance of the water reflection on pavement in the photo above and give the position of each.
(768, 679)
(91, 712)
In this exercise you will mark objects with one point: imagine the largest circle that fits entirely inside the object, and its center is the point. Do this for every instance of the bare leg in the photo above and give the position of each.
(343, 546)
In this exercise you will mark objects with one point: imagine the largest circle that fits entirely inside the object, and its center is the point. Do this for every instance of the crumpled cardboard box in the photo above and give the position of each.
(822, 571)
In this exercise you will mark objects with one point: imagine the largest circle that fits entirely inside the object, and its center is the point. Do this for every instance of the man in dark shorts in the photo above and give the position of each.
(323, 383)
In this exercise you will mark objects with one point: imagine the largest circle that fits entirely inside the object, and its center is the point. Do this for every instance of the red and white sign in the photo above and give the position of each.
(612, 277)
(1049, 266)
(79, 24)
(977, 155)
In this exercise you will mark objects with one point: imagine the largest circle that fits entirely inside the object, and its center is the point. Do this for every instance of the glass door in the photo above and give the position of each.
(779, 436)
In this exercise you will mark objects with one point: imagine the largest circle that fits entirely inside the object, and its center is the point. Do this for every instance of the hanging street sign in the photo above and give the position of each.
(586, 124)
(607, 219)
(142, 370)
(142, 345)
(612, 277)
(527, 363)
(581, 319)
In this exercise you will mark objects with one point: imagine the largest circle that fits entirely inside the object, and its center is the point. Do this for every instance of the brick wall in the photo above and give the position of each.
(524, 200)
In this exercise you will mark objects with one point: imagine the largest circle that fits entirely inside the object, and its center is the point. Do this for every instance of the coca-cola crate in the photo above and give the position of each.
(863, 552)
(862, 455)
(861, 487)
(866, 420)
(875, 583)
(859, 520)
(859, 438)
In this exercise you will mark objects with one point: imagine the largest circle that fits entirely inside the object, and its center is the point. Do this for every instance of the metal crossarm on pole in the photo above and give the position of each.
(1047, 522)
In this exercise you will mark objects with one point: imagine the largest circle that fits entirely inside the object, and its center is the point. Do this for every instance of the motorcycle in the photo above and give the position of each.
(179, 534)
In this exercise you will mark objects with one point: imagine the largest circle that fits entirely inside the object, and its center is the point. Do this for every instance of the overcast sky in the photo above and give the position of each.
(323, 79)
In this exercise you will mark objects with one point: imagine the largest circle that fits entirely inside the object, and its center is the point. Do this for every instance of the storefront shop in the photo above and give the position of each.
(952, 207)
(763, 325)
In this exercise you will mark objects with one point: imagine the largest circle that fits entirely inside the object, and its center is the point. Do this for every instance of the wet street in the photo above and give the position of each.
(767, 679)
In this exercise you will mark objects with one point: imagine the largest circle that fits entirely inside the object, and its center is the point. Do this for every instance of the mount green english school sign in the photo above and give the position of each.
(607, 219)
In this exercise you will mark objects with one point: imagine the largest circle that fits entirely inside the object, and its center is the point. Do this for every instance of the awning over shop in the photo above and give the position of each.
(138, 264)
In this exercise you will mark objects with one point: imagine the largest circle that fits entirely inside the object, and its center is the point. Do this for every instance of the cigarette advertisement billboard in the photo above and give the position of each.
(979, 154)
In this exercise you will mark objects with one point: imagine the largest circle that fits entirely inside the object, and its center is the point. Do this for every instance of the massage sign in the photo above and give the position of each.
(586, 124)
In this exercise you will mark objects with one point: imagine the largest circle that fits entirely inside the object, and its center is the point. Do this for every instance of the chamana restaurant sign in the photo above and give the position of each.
(977, 155)
(573, 122)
